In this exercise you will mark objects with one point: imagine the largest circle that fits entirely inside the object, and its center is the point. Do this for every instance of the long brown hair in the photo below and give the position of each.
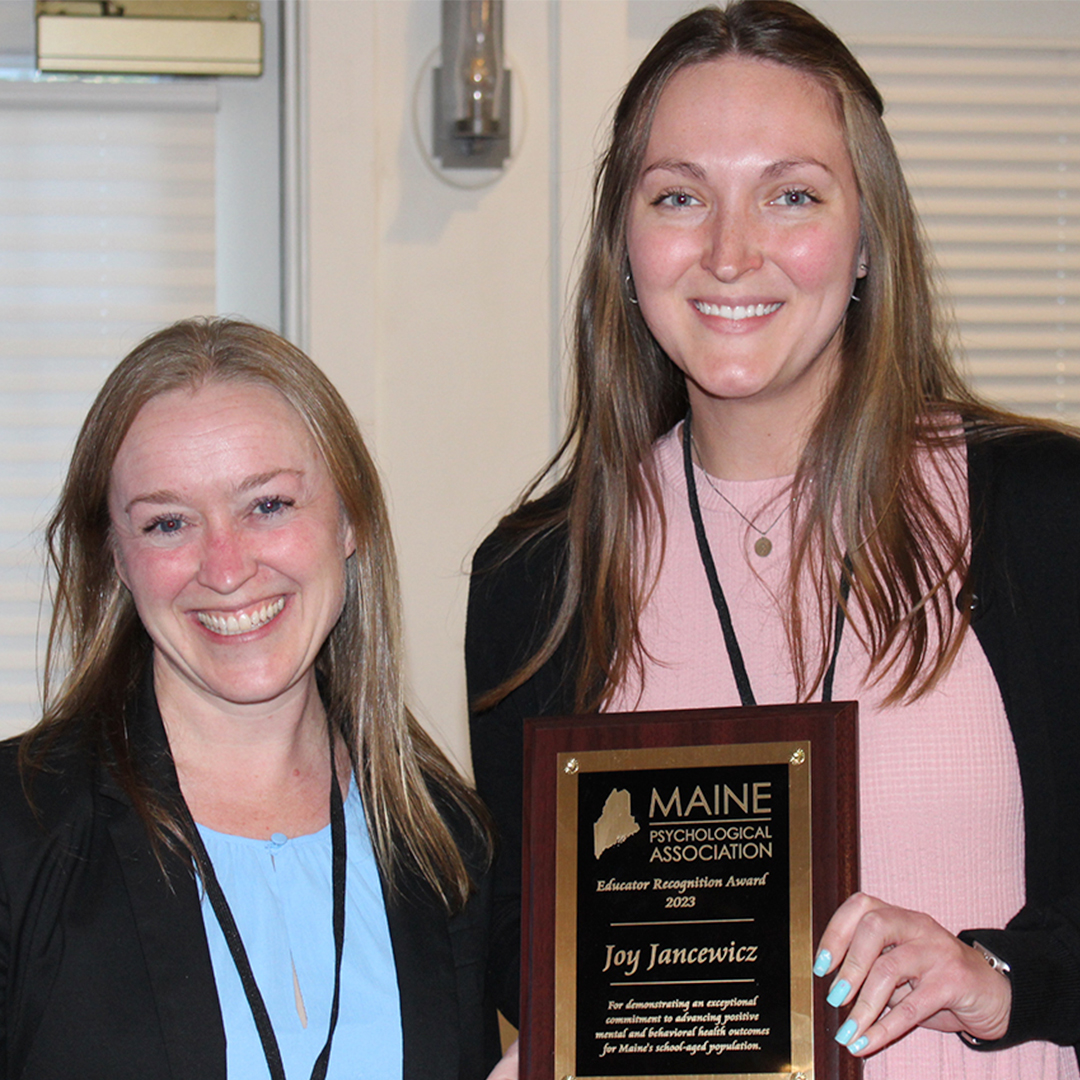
(859, 487)
(98, 642)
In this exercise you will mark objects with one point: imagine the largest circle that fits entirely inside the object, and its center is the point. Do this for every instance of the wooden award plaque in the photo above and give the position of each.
(679, 868)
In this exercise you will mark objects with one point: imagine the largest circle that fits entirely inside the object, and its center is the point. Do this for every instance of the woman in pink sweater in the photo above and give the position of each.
(768, 420)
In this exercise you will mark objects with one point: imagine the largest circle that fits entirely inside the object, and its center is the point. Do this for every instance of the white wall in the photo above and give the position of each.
(438, 312)
(430, 308)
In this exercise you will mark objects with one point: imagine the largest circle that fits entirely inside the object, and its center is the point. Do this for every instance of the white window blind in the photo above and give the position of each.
(989, 134)
(106, 233)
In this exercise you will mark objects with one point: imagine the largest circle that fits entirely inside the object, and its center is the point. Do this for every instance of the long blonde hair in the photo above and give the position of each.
(897, 382)
(97, 641)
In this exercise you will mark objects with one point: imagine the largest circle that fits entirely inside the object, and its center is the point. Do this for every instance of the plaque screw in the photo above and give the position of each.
(797, 758)
(570, 767)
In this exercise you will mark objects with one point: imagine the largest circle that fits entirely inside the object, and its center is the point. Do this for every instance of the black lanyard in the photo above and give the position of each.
(738, 668)
(239, 953)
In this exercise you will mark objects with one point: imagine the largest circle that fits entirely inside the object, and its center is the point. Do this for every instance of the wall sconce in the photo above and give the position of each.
(472, 87)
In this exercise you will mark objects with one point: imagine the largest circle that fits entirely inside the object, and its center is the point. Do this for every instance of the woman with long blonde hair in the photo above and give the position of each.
(228, 848)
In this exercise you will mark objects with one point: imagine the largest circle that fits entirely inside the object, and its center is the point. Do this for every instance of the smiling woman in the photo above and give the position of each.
(230, 538)
(228, 848)
(769, 441)
(744, 252)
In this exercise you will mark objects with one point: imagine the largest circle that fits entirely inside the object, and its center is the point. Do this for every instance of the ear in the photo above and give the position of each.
(348, 539)
(863, 266)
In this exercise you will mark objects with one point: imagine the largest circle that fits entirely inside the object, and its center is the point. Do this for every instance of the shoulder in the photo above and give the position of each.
(514, 592)
(531, 541)
(1025, 519)
(46, 813)
(1042, 456)
(14, 807)
(59, 783)
(1031, 475)
(509, 567)
(514, 597)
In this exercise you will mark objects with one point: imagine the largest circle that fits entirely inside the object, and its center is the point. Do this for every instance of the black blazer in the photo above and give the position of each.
(105, 972)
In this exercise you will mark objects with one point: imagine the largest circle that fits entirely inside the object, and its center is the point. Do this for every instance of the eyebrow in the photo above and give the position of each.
(687, 168)
(164, 496)
(770, 172)
(778, 168)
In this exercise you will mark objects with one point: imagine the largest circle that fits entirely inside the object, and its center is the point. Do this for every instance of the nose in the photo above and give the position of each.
(732, 246)
(226, 561)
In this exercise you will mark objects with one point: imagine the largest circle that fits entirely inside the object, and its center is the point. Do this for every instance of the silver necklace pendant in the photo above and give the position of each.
(763, 545)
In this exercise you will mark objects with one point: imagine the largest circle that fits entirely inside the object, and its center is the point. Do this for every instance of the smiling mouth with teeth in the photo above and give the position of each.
(736, 314)
(228, 625)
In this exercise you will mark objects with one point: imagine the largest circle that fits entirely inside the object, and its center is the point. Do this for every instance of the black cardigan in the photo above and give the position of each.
(105, 973)
(1025, 569)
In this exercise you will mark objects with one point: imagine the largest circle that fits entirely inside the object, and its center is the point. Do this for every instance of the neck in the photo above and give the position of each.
(741, 440)
(253, 770)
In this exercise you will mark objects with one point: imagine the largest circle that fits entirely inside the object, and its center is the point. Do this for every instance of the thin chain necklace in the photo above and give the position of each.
(762, 545)
(731, 640)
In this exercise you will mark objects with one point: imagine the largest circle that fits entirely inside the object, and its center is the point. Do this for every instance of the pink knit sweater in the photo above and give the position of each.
(940, 797)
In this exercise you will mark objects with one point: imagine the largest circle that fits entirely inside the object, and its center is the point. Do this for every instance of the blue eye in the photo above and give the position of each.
(797, 197)
(676, 199)
(272, 504)
(168, 525)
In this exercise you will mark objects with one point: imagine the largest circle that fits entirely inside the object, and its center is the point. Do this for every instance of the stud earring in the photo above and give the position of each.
(631, 295)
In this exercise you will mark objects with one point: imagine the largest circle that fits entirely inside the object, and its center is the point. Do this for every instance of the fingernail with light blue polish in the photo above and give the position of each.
(821, 964)
(858, 1044)
(838, 994)
(847, 1029)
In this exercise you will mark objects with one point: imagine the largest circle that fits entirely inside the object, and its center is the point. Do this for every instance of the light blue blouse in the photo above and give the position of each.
(280, 893)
